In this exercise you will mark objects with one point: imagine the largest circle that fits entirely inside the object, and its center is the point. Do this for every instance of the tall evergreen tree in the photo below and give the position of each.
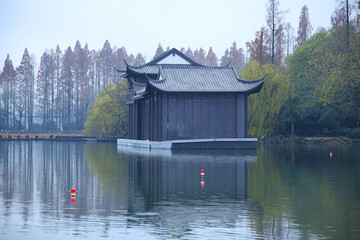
(25, 83)
(58, 61)
(92, 75)
(211, 58)
(237, 57)
(81, 82)
(200, 56)
(120, 56)
(305, 28)
(189, 53)
(139, 60)
(280, 45)
(225, 60)
(159, 51)
(45, 79)
(7, 79)
(67, 81)
(258, 48)
(130, 59)
(106, 66)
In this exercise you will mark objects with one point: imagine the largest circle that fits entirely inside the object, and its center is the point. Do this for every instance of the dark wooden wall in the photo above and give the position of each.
(170, 116)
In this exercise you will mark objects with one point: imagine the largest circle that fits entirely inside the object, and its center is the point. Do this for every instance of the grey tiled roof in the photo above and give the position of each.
(139, 88)
(148, 69)
(175, 78)
(192, 77)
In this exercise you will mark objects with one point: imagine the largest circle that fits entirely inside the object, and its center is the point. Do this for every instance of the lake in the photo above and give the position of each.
(277, 192)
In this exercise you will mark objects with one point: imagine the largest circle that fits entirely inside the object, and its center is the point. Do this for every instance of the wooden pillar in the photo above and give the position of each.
(246, 115)
(129, 121)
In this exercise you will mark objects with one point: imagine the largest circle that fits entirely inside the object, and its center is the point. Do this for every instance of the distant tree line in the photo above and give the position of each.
(316, 89)
(58, 96)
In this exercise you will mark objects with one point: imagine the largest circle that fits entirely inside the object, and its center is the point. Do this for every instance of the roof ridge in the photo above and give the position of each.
(172, 51)
(191, 66)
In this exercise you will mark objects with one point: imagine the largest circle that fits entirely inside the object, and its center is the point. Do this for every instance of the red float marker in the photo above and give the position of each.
(202, 172)
(330, 154)
(73, 194)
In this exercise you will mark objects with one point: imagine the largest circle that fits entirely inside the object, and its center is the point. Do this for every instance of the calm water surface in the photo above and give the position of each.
(276, 192)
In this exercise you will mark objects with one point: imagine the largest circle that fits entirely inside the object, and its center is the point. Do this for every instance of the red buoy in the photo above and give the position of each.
(330, 154)
(202, 172)
(73, 191)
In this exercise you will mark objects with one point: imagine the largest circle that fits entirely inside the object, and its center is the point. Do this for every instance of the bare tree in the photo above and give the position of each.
(289, 30)
(274, 20)
(341, 19)
(258, 48)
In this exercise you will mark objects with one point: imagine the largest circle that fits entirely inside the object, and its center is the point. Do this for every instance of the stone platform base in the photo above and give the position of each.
(210, 143)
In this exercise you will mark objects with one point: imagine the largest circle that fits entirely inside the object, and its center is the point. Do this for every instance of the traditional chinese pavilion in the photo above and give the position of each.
(173, 97)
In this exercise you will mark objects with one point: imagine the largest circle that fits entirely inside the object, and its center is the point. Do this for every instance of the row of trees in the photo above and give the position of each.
(318, 88)
(66, 84)
(233, 56)
(275, 41)
(58, 96)
(17, 95)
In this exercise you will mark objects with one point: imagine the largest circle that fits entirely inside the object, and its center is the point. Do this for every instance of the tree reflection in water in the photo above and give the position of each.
(280, 191)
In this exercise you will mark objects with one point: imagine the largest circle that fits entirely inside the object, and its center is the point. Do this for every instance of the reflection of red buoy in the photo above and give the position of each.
(73, 200)
(202, 172)
(202, 184)
(330, 154)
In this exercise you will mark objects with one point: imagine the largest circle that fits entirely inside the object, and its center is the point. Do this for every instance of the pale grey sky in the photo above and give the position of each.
(140, 25)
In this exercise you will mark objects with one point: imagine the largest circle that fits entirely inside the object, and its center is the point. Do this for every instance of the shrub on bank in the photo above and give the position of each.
(355, 133)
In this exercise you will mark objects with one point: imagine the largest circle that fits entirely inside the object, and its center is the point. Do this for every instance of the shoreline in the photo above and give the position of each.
(82, 137)
(310, 140)
(53, 137)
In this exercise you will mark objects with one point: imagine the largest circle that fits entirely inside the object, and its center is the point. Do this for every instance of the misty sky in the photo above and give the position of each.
(140, 25)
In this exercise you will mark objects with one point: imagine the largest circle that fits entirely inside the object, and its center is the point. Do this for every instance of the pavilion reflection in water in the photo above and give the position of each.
(169, 184)
(169, 175)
